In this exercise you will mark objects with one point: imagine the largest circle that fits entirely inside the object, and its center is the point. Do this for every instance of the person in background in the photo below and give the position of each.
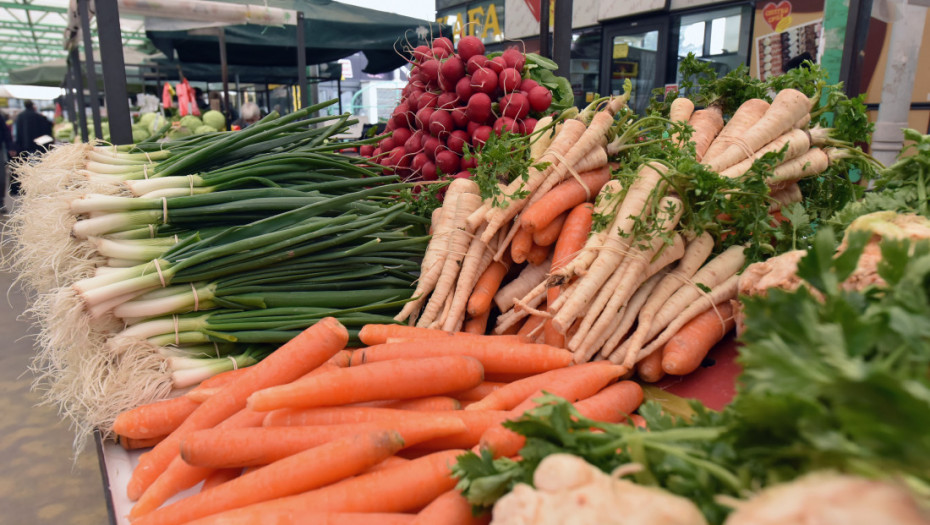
(202, 103)
(7, 150)
(29, 126)
(249, 113)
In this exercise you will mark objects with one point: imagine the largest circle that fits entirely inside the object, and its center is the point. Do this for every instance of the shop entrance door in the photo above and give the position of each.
(637, 51)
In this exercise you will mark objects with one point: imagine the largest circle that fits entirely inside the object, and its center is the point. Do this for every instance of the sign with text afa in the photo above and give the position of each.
(484, 20)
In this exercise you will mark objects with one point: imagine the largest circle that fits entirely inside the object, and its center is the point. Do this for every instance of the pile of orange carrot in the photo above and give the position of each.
(358, 436)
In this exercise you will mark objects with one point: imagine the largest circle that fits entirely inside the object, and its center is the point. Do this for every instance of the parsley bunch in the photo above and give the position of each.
(832, 379)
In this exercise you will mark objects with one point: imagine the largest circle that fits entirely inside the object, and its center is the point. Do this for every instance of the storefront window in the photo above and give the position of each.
(719, 36)
(584, 71)
(634, 57)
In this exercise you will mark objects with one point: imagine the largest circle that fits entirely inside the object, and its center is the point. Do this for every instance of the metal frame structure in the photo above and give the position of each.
(32, 33)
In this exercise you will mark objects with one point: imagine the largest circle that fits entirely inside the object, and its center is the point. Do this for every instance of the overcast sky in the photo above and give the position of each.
(425, 9)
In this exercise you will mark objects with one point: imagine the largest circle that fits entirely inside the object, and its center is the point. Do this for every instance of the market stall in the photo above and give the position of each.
(506, 309)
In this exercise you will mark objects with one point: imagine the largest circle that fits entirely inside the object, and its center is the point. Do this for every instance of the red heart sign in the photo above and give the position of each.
(773, 14)
(534, 8)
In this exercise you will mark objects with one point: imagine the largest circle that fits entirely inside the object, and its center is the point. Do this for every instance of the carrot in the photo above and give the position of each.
(582, 385)
(798, 142)
(306, 470)
(605, 204)
(788, 107)
(478, 324)
(649, 369)
(538, 254)
(706, 123)
(431, 404)
(638, 421)
(220, 476)
(374, 334)
(477, 260)
(567, 139)
(813, 162)
(496, 357)
(249, 447)
(406, 487)
(463, 336)
(395, 379)
(714, 272)
(595, 136)
(154, 419)
(303, 353)
(785, 195)
(595, 158)
(303, 517)
(509, 396)
(179, 475)
(548, 235)
(564, 197)
(696, 254)
(129, 443)
(450, 508)
(459, 240)
(613, 404)
(438, 248)
(718, 294)
(747, 114)
(388, 462)
(487, 285)
(636, 202)
(551, 336)
(530, 276)
(479, 392)
(680, 111)
(532, 325)
(685, 351)
(625, 318)
(604, 306)
(520, 245)
(210, 386)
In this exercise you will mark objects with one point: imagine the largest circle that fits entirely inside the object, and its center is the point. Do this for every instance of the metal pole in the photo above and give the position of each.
(339, 93)
(238, 93)
(224, 68)
(91, 66)
(904, 48)
(302, 60)
(69, 100)
(545, 47)
(114, 71)
(74, 61)
(562, 37)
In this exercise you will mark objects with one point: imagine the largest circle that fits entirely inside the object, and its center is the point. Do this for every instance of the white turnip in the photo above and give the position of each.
(827, 498)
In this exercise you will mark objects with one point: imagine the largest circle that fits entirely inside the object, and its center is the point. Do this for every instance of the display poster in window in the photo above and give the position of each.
(785, 34)
(482, 19)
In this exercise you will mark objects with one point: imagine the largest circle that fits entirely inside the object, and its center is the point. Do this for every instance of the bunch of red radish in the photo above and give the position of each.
(453, 99)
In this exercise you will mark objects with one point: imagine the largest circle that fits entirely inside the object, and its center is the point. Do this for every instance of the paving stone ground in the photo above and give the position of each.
(41, 482)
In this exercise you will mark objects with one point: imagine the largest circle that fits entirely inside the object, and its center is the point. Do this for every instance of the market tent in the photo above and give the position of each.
(165, 69)
(332, 31)
(52, 72)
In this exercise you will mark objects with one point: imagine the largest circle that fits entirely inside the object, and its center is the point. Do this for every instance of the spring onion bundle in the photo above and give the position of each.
(153, 266)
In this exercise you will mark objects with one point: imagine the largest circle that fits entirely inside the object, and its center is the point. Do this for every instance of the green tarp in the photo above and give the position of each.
(332, 31)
